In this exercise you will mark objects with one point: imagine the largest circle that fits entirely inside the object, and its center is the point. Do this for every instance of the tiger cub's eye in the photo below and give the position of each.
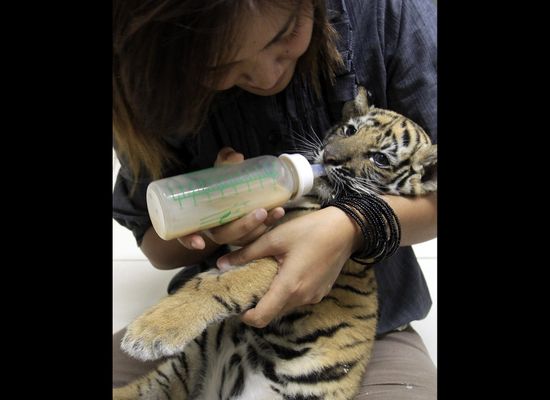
(349, 130)
(380, 160)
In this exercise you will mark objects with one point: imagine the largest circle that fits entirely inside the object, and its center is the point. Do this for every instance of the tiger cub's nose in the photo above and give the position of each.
(330, 158)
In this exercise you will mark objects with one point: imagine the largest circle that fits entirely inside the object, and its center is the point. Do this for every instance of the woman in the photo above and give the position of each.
(202, 82)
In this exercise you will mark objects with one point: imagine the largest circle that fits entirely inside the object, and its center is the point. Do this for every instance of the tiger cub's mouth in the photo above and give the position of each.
(326, 186)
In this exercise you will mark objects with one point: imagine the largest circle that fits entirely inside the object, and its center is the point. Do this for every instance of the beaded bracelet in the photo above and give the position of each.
(379, 225)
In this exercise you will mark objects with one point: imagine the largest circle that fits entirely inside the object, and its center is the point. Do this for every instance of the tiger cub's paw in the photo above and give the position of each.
(163, 331)
(146, 345)
(125, 393)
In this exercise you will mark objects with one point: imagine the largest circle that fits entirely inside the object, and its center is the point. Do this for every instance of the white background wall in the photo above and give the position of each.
(138, 285)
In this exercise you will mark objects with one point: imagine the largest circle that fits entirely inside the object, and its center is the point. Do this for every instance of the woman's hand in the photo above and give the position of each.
(241, 231)
(311, 251)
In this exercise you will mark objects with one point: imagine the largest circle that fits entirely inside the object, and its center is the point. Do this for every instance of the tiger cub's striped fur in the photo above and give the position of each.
(315, 352)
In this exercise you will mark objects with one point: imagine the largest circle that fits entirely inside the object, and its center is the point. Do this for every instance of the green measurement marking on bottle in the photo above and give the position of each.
(179, 194)
(219, 189)
(227, 214)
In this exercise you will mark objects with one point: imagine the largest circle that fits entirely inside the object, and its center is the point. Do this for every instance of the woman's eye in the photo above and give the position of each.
(349, 130)
(380, 160)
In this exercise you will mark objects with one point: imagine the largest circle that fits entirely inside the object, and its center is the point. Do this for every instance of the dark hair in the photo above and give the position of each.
(160, 51)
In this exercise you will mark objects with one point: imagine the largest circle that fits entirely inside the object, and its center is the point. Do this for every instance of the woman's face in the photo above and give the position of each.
(271, 44)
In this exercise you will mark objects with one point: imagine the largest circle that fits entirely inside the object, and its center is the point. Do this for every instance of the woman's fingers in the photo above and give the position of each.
(274, 215)
(233, 231)
(228, 155)
(269, 306)
(192, 242)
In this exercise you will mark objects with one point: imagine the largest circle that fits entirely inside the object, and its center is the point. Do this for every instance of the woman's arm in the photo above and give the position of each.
(193, 248)
(417, 217)
(312, 249)
(169, 254)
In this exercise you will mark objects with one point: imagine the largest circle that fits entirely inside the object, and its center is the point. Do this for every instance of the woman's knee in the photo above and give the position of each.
(125, 368)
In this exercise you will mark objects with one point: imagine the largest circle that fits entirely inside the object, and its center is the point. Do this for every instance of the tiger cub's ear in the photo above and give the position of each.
(356, 108)
(424, 162)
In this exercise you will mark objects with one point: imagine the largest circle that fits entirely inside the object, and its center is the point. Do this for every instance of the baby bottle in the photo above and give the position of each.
(203, 199)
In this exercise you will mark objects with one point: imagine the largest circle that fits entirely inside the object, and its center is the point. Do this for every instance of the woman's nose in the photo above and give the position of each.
(264, 73)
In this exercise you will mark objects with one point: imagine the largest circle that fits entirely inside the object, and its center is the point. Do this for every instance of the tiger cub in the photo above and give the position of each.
(315, 352)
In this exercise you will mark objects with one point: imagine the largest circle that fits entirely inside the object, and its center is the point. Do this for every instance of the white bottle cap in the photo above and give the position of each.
(303, 174)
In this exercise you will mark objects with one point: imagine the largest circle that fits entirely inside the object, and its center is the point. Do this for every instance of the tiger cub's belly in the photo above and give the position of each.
(257, 387)
(224, 376)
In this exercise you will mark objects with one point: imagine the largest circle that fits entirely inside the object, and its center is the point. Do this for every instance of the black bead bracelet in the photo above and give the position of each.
(379, 226)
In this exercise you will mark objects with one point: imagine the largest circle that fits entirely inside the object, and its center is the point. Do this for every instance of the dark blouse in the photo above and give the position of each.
(389, 47)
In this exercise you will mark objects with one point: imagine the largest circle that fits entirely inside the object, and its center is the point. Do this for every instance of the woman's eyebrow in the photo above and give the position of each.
(275, 38)
(282, 30)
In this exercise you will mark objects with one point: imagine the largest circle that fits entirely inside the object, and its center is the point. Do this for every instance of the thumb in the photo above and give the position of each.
(228, 155)
(257, 249)
(269, 306)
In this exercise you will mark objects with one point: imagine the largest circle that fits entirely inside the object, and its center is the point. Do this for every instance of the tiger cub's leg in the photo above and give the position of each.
(166, 328)
(173, 379)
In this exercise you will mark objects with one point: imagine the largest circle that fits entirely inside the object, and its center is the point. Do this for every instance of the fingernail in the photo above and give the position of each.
(223, 264)
(279, 213)
(260, 214)
(196, 244)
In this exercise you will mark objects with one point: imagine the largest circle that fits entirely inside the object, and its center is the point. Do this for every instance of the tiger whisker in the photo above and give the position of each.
(307, 146)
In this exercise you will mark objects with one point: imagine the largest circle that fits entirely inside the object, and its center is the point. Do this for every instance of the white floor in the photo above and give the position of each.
(138, 285)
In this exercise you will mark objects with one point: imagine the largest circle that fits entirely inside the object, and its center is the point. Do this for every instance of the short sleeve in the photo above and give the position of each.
(410, 29)
(130, 208)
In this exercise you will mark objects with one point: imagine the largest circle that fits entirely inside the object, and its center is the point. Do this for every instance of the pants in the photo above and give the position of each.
(399, 369)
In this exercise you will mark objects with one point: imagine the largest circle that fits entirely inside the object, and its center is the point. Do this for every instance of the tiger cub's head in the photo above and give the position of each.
(376, 151)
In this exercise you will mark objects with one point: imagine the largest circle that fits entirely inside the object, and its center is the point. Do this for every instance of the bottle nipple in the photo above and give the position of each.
(318, 170)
